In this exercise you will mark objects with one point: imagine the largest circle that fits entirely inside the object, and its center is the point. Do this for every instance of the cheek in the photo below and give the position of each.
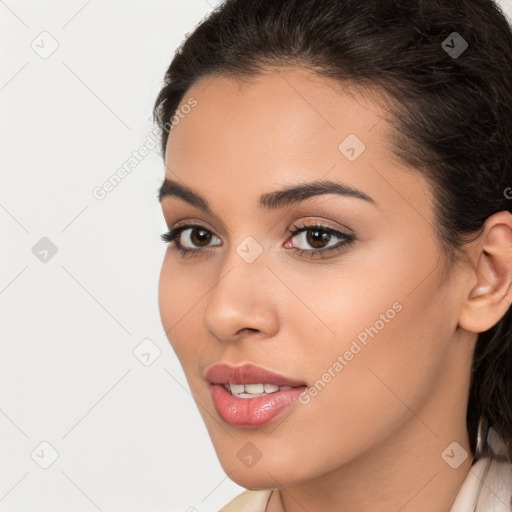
(168, 292)
(178, 301)
(373, 343)
(374, 390)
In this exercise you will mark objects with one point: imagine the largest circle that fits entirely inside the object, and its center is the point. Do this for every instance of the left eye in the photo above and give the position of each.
(319, 237)
(316, 236)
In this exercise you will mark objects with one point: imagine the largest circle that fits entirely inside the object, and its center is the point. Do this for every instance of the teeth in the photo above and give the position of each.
(254, 390)
(236, 389)
(271, 388)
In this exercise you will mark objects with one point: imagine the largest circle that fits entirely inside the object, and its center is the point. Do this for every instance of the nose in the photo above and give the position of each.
(242, 302)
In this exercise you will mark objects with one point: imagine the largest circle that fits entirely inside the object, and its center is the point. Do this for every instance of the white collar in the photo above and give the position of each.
(488, 485)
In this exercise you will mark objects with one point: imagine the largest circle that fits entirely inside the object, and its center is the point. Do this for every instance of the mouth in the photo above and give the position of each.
(251, 396)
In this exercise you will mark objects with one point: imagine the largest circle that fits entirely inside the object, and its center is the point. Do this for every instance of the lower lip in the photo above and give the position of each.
(252, 412)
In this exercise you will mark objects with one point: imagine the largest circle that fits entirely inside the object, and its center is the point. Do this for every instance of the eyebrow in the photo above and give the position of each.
(269, 201)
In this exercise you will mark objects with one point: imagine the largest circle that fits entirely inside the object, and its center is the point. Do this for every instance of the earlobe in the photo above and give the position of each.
(490, 293)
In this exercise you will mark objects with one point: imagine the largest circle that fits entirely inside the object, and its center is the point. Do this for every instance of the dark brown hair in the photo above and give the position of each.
(452, 111)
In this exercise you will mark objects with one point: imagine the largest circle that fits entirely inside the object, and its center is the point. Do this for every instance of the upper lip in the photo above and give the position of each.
(223, 373)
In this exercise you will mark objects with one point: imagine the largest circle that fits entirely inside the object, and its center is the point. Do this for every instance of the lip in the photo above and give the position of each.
(251, 412)
(223, 373)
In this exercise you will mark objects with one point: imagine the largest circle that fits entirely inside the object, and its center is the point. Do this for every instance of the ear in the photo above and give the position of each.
(489, 292)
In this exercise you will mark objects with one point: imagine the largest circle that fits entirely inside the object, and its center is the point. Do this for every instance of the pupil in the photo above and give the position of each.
(318, 238)
(204, 238)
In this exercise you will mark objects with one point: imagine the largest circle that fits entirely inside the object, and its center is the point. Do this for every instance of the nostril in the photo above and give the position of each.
(247, 329)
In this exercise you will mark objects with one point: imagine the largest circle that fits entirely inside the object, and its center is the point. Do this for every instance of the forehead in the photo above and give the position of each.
(280, 108)
(257, 134)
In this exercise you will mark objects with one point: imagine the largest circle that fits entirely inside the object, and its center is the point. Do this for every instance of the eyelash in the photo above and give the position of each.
(346, 240)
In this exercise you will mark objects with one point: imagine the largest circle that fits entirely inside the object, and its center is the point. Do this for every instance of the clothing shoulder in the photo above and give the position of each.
(488, 485)
(248, 501)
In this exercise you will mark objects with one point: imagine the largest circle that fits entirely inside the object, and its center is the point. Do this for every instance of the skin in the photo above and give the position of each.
(372, 438)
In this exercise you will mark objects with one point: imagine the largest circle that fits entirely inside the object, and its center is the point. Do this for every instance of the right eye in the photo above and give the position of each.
(198, 236)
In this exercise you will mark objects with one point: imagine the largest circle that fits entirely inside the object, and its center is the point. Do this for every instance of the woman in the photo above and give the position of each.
(338, 279)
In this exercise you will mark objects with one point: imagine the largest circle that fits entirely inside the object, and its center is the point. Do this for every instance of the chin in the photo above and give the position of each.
(253, 481)
(268, 474)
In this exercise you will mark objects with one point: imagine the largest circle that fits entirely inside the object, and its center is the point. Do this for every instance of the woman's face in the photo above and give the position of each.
(370, 324)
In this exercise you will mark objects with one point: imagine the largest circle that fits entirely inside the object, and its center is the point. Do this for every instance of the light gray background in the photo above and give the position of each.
(128, 435)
